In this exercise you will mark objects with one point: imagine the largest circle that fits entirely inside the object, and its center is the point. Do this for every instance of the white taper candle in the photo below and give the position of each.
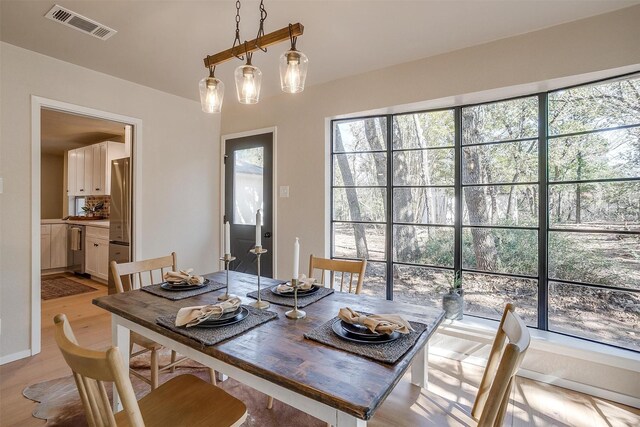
(259, 228)
(296, 258)
(227, 238)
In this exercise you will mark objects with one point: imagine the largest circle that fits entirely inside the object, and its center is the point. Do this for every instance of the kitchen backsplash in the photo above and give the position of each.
(93, 200)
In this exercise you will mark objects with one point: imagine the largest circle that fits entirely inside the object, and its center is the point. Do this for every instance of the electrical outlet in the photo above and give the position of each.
(284, 191)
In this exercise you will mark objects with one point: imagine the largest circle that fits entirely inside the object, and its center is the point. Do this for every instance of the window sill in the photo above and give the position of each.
(483, 330)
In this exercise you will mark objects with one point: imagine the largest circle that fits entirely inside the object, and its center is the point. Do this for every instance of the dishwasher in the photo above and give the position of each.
(75, 245)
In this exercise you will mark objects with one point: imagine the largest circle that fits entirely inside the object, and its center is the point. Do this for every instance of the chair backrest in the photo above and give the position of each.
(91, 369)
(491, 402)
(129, 275)
(339, 266)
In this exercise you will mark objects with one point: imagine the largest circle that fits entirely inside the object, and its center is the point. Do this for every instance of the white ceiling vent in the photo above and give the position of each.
(79, 22)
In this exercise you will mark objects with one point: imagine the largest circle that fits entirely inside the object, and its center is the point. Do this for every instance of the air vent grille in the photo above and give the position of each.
(61, 15)
(101, 32)
(81, 23)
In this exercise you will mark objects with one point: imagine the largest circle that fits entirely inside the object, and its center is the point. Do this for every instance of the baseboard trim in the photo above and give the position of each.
(15, 356)
(544, 378)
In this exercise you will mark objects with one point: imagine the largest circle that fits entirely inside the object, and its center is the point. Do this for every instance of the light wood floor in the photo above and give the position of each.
(533, 403)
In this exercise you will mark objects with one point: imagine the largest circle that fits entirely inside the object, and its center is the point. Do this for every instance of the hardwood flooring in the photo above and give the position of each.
(533, 403)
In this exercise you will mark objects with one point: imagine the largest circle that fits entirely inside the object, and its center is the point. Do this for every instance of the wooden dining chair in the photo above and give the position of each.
(335, 266)
(183, 400)
(492, 399)
(133, 275)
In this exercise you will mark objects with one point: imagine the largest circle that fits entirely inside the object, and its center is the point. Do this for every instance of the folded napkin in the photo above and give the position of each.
(376, 323)
(183, 277)
(304, 284)
(192, 316)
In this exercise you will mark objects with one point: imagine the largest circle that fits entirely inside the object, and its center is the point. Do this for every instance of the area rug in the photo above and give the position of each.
(60, 286)
(60, 405)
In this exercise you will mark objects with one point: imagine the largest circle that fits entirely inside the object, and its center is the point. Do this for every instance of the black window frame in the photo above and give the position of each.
(543, 228)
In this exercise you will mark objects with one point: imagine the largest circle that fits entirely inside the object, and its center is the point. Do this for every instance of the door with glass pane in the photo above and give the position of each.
(248, 187)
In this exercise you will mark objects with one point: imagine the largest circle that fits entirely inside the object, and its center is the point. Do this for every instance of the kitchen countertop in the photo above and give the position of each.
(103, 223)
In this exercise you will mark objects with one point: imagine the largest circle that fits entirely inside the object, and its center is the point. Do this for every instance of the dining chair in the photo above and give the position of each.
(183, 400)
(133, 275)
(339, 266)
(492, 399)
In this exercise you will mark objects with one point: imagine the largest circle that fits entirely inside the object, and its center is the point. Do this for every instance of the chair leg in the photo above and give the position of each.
(173, 359)
(270, 402)
(154, 369)
(212, 376)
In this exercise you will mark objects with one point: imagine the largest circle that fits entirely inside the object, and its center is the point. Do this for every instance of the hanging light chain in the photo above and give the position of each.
(249, 54)
(236, 41)
(263, 17)
(292, 38)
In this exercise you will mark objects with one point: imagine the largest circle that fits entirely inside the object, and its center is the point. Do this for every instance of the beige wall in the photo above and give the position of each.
(180, 156)
(51, 185)
(591, 48)
(528, 61)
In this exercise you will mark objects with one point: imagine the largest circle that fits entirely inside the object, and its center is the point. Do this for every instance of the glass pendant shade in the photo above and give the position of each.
(248, 80)
(211, 94)
(293, 71)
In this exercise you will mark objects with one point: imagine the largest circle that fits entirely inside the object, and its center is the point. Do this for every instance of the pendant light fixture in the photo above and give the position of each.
(293, 65)
(211, 92)
(248, 81)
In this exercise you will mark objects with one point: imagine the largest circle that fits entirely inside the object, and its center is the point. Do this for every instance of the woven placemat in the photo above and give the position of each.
(303, 301)
(389, 352)
(178, 295)
(212, 336)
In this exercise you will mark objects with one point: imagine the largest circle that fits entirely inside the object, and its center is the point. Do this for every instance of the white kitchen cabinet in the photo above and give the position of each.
(53, 246)
(45, 247)
(72, 161)
(89, 168)
(97, 252)
(99, 170)
(81, 189)
(58, 245)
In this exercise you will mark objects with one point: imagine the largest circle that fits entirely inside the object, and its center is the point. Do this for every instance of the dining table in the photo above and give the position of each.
(275, 358)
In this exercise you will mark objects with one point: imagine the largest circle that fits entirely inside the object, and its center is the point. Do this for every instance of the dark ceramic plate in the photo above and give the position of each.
(301, 293)
(238, 316)
(379, 339)
(360, 331)
(173, 287)
(225, 316)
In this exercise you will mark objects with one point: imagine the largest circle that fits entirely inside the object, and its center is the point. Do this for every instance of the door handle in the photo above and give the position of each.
(96, 245)
(267, 235)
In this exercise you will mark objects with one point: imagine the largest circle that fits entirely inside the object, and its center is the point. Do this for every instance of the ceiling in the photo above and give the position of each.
(161, 44)
(63, 131)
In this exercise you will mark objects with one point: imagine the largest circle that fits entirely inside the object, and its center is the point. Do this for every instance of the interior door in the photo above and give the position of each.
(249, 187)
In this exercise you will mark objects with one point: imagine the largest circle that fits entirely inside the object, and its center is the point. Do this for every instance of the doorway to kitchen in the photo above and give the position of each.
(248, 183)
(83, 206)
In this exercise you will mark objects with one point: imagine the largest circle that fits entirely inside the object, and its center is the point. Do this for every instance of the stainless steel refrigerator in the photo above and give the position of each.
(120, 216)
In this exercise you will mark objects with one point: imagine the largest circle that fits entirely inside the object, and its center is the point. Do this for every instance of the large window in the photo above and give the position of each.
(535, 200)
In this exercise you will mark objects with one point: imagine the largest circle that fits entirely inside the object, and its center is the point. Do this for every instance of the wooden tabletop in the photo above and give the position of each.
(278, 351)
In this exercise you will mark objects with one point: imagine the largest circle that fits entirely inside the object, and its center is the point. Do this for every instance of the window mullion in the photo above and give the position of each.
(389, 233)
(543, 211)
(457, 180)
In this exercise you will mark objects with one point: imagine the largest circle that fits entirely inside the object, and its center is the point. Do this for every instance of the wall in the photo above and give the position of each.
(51, 186)
(592, 48)
(180, 157)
